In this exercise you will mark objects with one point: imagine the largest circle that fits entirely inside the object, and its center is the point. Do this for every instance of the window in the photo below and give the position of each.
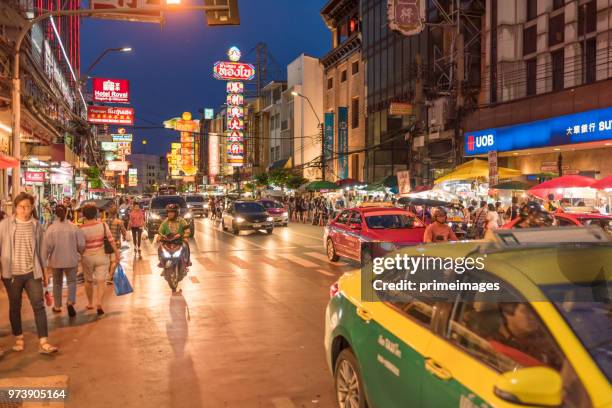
(330, 83)
(530, 39)
(355, 218)
(590, 60)
(591, 18)
(558, 71)
(355, 166)
(532, 9)
(355, 68)
(531, 74)
(355, 113)
(556, 29)
(557, 4)
(343, 217)
(343, 76)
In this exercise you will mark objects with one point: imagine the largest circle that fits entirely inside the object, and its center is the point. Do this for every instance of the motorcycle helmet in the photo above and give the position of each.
(172, 208)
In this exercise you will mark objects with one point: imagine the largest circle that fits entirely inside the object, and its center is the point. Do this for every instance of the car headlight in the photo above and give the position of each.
(205, 205)
(155, 216)
(239, 219)
(188, 205)
(450, 224)
(188, 215)
(269, 219)
(285, 214)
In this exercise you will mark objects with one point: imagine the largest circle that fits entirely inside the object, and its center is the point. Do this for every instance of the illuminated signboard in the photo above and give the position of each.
(123, 149)
(213, 154)
(132, 177)
(108, 146)
(122, 137)
(589, 126)
(117, 165)
(111, 90)
(234, 123)
(209, 113)
(110, 115)
(233, 71)
(174, 160)
(35, 176)
(235, 87)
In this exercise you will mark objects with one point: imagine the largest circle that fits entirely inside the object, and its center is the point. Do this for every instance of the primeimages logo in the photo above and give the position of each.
(474, 142)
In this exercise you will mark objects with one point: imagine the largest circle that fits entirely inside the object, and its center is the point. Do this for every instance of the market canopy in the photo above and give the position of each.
(475, 169)
(7, 162)
(512, 185)
(319, 185)
(603, 184)
(422, 202)
(348, 182)
(561, 183)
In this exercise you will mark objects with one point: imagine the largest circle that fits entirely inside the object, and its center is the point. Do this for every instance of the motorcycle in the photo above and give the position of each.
(124, 215)
(172, 260)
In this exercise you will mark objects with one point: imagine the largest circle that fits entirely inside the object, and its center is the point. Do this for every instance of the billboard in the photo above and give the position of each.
(342, 142)
(117, 165)
(174, 160)
(109, 115)
(329, 134)
(108, 146)
(403, 181)
(209, 113)
(111, 90)
(231, 16)
(132, 177)
(406, 16)
(233, 71)
(121, 137)
(213, 154)
(142, 10)
(34, 176)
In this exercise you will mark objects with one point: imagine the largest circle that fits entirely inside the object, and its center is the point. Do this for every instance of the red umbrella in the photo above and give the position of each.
(551, 186)
(7, 162)
(602, 184)
(348, 182)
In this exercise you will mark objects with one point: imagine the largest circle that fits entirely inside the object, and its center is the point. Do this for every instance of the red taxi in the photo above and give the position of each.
(350, 232)
(573, 219)
(277, 211)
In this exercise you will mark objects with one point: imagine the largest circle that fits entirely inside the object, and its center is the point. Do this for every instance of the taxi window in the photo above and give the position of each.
(510, 335)
(343, 217)
(564, 222)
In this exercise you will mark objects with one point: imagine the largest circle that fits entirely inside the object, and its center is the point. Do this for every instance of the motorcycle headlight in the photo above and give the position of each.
(188, 205)
(269, 219)
(177, 254)
(155, 216)
(188, 215)
(450, 224)
(166, 254)
(239, 219)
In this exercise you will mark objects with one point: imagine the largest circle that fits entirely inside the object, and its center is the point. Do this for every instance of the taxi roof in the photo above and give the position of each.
(371, 210)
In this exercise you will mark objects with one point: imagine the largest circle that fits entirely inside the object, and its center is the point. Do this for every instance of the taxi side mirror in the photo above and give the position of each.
(355, 226)
(538, 386)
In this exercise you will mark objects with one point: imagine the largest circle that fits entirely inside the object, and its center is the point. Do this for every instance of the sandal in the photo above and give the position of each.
(47, 348)
(57, 310)
(19, 344)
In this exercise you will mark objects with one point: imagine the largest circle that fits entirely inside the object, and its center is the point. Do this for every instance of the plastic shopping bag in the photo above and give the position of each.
(122, 284)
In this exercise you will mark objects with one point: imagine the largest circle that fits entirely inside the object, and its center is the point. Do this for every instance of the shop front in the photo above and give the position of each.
(578, 143)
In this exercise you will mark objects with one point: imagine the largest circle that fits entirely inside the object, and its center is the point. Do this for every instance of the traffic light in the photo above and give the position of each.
(225, 17)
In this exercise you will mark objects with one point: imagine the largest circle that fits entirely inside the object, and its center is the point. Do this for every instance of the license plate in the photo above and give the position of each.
(256, 225)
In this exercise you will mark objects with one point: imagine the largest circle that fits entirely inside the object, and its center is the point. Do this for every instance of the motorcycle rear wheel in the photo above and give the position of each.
(172, 277)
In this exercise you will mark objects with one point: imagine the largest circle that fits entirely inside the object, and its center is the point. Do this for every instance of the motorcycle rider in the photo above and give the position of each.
(174, 226)
(439, 230)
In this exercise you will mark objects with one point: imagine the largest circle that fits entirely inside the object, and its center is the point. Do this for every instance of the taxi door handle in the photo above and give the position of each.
(436, 369)
(364, 314)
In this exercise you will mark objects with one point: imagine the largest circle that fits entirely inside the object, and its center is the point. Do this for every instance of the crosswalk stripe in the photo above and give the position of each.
(324, 272)
(238, 262)
(322, 257)
(300, 261)
(194, 279)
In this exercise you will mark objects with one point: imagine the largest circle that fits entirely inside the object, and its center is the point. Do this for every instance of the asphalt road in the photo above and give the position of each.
(247, 330)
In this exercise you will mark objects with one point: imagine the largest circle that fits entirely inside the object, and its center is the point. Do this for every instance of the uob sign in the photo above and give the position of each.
(474, 142)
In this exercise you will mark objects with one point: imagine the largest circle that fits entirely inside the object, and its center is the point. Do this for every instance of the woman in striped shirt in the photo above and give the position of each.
(95, 261)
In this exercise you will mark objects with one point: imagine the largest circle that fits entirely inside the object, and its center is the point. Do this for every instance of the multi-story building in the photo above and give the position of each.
(344, 90)
(52, 108)
(546, 88)
(303, 101)
(149, 171)
(277, 151)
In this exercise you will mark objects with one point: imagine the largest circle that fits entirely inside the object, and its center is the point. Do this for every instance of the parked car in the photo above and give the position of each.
(243, 215)
(197, 204)
(156, 213)
(277, 211)
(351, 232)
(574, 219)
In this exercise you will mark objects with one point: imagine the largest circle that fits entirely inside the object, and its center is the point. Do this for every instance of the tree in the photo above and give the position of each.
(261, 180)
(249, 186)
(295, 180)
(279, 177)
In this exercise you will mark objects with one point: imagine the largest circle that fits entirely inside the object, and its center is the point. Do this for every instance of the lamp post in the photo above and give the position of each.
(320, 126)
(97, 60)
(16, 79)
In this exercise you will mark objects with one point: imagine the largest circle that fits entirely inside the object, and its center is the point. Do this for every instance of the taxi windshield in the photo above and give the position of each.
(271, 204)
(591, 320)
(390, 221)
(604, 223)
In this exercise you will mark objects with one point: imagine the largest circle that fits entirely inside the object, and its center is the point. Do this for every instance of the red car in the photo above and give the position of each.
(572, 219)
(351, 233)
(277, 211)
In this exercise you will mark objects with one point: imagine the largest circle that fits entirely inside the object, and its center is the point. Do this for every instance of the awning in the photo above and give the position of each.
(8, 162)
(475, 169)
(281, 164)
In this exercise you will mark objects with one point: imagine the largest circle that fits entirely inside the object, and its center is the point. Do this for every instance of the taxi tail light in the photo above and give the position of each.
(334, 289)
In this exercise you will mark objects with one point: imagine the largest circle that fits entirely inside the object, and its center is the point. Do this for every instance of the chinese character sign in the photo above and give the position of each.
(329, 135)
(111, 90)
(110, 115)
(132, 177)
(342, 142)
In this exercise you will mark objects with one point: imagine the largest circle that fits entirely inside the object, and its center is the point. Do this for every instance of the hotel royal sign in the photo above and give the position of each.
(234, 72)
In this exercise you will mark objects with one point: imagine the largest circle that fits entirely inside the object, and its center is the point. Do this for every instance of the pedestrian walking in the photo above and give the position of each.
(63, 244)
(480, 220)
(23, 261)
(136, 224)
(492, 218)
(95, 259)
(118, 231)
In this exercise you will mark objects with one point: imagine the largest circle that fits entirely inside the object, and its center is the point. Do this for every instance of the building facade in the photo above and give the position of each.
(344, 92)
(546, 87)
(149, 172)
(277, 150)
(303, 100)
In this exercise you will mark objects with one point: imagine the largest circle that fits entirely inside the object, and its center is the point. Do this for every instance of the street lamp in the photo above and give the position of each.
(97, 60)
(320, 125)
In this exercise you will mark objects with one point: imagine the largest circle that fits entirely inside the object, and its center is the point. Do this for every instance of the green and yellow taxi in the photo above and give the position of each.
(546, 342)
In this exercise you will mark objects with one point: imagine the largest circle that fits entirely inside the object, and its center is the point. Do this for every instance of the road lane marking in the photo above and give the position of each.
(239, 262)
(324, 272)
(300, 261)
(322, 257)
(194, 279)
